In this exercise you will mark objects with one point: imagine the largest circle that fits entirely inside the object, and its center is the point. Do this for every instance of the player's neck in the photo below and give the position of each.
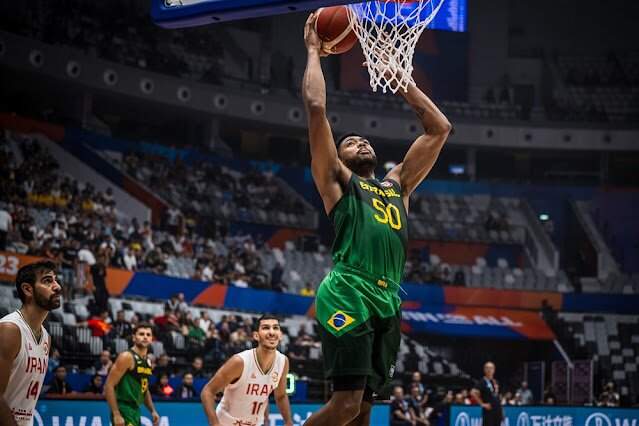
(265, 357)
(34, 316)
(140, 351)
(364, 173)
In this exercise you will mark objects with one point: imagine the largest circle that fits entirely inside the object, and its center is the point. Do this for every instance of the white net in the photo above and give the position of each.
(388, 31)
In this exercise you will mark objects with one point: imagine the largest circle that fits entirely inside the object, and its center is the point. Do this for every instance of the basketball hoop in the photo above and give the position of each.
(388, 31)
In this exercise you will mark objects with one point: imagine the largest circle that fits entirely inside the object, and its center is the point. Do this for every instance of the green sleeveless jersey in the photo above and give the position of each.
(134, 383)
(371, 228)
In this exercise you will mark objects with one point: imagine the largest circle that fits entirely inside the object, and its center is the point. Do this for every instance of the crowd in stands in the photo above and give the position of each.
(206, 190)
(53, 215)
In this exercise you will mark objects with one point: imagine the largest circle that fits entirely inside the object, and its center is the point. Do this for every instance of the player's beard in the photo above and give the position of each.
(362, 165)
(48, 304)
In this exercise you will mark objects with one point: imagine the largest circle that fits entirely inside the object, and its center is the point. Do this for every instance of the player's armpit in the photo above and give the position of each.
(230, 372)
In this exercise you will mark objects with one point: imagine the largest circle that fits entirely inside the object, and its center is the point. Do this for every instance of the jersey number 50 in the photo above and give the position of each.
(388, 214)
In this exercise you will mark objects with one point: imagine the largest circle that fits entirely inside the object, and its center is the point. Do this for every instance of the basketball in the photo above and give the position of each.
(334, 29)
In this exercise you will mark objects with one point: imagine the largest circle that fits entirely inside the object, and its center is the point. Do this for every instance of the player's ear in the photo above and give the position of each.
(27, 289)
(256, 336)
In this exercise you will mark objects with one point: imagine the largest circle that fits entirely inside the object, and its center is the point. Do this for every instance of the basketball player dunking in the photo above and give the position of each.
(357, 304)
(24, 351)
(248, 378)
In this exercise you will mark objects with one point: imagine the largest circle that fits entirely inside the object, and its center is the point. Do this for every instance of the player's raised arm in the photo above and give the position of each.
(281, 398)
(328, 171)
(423, 153)
(10, 338)
(228, 373)
(123, 363)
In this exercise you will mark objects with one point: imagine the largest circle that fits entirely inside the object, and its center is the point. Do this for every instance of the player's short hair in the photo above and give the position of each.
(29, 274)
(346, 136)
(256, 324)
(141, 326)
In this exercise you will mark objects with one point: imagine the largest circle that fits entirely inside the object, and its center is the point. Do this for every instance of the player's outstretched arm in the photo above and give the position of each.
(228, 373)
(328, 171)
(423, 153)
(281, 398)
(11, 340)
(123, 363)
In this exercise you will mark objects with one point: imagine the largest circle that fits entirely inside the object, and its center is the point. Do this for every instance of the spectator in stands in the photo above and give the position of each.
(524, 394)
(128, 258)
(121, 327)
(205, 321)
(416, 380)
(95, 385)
(167, 322)
(466, 395)
(609, 397)
(195, 336)
(460, 278)
(442, 408)
(508, 399)
(98, 274)
(417, 402)
(6, 226)
(177, 303)
(307, 290)
(400, 411)
(104, 364)
(59, 385)
(68, 264)
(162, 388)
(99, 324)
(164, 366)
(549, 396)
(197, 368)
(186, 389)
(446, 274)
(277, 273)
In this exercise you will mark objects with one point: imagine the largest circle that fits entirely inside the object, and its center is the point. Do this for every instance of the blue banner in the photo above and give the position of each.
(96, 413)
(461, 415)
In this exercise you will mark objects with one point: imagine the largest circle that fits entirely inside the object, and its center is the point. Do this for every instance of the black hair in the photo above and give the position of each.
(142, 325)
(29, 274)
(256, 325)
(346, 136)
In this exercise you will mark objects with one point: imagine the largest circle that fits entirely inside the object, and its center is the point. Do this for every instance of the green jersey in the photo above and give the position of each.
(371, 232)
(134, 382)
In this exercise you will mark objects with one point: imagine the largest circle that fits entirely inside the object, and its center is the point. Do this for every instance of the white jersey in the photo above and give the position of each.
(244, 401)
(27, 371)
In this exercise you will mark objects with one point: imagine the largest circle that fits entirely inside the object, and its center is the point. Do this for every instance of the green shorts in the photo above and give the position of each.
(130, 414)
(359, 318)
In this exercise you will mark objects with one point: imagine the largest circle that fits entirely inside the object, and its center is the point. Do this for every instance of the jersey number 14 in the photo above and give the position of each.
(388, 214)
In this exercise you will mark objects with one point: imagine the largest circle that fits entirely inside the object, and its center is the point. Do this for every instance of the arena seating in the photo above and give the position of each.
(221, 192)
(611, 340)
(597, 89)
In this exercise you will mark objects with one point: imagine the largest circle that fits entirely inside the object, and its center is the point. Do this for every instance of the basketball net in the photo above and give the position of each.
(388, 31)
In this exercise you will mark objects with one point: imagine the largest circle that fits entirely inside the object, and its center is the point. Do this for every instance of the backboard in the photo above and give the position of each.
(190, 13)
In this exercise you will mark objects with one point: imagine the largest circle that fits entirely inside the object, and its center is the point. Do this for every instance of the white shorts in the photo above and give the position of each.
(227, 420)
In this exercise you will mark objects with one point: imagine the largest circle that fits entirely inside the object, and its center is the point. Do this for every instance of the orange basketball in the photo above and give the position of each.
(334, 29)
